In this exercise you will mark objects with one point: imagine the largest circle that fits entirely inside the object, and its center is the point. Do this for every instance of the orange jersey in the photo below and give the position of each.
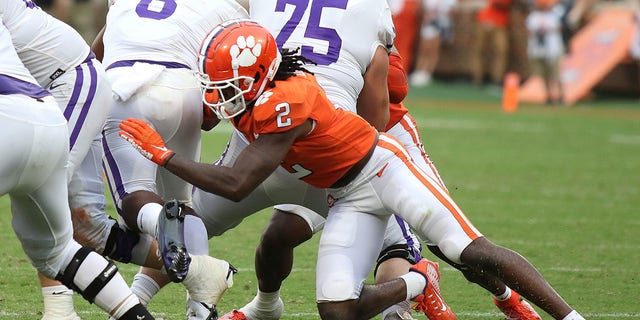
(337, 142)
(496, 13)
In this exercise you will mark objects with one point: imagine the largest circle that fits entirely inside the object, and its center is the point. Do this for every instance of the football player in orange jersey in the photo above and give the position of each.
(289, 122)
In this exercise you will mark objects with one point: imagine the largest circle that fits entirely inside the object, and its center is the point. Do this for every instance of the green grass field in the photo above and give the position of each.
(559, 185)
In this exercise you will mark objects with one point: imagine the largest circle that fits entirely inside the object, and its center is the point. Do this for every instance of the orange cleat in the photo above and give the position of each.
(430, 302)
(515, 308)
(233, 315)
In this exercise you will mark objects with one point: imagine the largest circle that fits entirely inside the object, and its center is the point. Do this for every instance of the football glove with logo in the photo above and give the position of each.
(146, 140)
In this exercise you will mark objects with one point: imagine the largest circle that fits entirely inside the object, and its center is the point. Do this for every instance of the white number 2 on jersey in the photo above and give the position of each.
(283, 109)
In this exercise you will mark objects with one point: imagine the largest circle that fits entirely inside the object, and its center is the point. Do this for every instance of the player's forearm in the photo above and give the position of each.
(208, 177)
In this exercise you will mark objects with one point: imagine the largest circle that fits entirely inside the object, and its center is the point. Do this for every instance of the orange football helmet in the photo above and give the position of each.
(237, 60)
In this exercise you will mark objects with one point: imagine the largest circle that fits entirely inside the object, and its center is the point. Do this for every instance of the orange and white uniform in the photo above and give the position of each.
(390, 182)
(337, 141)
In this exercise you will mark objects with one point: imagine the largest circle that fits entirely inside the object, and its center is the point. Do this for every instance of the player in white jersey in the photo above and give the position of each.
(62, 62)
(150, 50)
(35, 144)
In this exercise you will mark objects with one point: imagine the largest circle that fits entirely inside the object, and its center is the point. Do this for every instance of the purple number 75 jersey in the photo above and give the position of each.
(343, 52)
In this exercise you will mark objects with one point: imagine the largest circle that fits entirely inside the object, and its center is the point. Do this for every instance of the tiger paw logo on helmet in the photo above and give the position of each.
(246, 51)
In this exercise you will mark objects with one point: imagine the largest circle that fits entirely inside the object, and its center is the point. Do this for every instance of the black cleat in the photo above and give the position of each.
(170, 236)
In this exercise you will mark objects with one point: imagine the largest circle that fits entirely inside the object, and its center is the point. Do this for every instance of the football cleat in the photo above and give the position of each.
(515, 308)
(208, 279)
(197, 310)
(430, 302)
(253, 312)
(170, 236)
(234, 315)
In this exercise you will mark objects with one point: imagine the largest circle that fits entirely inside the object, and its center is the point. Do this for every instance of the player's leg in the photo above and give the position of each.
(132, 178)
(401, 249)
(290, 225)
(42, 222)
(407, 132)
(274, 259)
(140, 190)
(446, 226)
(349, 244)
(84, 97)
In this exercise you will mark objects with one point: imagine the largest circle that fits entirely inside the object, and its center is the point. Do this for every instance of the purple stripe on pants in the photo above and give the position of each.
(93, 75)
(113, 169)
(407, 236)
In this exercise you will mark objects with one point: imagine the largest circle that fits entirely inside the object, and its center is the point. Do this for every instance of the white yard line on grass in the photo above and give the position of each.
(625, 138)
(475, 125)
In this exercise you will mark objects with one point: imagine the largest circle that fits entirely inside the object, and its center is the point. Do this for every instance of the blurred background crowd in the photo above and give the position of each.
(560, 50)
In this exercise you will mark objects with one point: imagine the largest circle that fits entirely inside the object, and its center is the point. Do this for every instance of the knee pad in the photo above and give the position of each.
(402, 251)
(69, 276)
(120, 244)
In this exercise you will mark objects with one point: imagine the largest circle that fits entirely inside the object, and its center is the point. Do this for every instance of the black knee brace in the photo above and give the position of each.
(402, 251)
(91, 291)
(120, 244)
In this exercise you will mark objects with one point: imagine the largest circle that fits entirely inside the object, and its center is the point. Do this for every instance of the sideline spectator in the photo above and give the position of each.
(544, 47)
(635, 44)
(491, 33)
(436, 28)
(406, 19)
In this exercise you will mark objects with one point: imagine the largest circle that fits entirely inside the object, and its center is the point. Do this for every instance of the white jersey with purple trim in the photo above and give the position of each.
(177, 33)
(32, 30)
(10, 64)
(341, 62)
(59, 59)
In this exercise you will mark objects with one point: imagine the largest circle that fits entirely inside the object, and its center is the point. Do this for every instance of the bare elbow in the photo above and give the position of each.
(238, 194)
(236, 197)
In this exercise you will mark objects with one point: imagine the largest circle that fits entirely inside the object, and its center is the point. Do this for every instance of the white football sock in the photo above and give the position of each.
(505, 296)
(148, 218)
(265, 305)
(416, 284)
(58, 302)
(144, 287)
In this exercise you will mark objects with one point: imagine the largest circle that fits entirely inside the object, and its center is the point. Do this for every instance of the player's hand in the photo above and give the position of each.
(146, 140)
